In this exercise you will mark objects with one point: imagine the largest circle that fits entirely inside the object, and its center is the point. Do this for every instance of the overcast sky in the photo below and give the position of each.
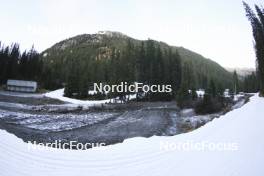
(217, 29)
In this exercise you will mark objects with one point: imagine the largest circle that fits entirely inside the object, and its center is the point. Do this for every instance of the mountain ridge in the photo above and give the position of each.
(103, 44)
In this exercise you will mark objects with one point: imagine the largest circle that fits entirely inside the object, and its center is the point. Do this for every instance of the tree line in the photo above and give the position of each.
(16, 65)
(147, 63)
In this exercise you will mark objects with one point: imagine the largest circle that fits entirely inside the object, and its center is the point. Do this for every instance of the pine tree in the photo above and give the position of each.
(194, 94)
(257, 24)
(251, 84)
(235, 83)
(12, 66)
(72, 87)
(149, 61)
(142, 64)
(188, 77)
(212, 91)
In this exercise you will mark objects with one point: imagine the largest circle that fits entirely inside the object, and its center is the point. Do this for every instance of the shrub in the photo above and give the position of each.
(209, 105)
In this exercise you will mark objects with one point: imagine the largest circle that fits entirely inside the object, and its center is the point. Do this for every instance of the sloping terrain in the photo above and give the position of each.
(87, 48)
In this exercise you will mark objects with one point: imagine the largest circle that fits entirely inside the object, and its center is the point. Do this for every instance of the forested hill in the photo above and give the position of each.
(205, 67)
(112, 57)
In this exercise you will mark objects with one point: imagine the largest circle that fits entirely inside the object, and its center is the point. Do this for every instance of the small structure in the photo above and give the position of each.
(21, 86)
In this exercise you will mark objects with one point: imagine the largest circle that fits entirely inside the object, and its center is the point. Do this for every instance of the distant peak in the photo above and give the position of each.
(112, 33)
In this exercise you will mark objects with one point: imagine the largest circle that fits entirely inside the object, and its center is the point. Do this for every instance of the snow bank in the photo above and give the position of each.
(243, 128)
(58, 94)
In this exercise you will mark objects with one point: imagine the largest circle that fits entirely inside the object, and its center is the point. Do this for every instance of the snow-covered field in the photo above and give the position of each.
(235, 148)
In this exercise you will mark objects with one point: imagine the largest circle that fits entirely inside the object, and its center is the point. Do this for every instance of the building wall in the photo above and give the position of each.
(21, 89)
(21, 86)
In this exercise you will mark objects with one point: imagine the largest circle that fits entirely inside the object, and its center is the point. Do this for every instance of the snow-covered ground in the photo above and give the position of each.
(231, 145)
(58, 122)
(58, 94)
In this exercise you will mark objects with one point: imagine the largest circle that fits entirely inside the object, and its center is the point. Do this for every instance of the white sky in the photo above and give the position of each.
(217, 29)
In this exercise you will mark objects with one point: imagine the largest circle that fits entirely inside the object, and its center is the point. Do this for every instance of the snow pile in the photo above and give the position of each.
(239, 134)
(200, 92)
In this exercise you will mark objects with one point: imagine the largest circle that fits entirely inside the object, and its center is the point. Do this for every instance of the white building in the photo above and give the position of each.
(21, 86)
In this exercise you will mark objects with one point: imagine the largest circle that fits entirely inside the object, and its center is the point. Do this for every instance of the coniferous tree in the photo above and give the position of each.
(235, 83)
(141, 64)
(150, 55)
(72, 86)
(251, 84)
(14, 65)
(176, 73)
(194, 94)
(257, 24)
(188, 77)
(212, 91)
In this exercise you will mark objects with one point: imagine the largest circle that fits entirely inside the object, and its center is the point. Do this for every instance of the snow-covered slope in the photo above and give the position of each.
(239, 131)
